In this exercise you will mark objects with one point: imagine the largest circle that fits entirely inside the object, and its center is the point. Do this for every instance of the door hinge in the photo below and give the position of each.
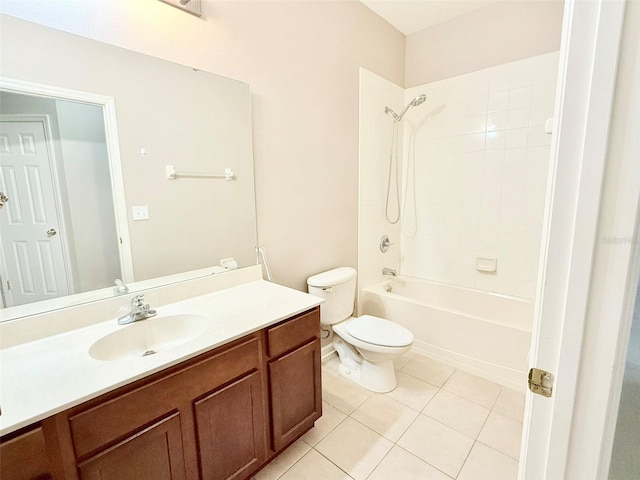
(541, 382)
(8, 285)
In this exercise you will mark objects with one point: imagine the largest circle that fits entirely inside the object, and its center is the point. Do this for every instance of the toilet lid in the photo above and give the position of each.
(378, 331)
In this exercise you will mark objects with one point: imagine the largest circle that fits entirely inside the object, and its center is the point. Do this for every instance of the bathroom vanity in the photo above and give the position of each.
(218, 412)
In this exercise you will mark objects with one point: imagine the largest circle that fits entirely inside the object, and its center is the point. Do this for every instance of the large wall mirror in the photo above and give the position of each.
(87, 133)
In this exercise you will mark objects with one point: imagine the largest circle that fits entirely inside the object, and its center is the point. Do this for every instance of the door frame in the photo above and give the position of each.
(616, 272)
(564, 302)
(113, 151)
(53, 165)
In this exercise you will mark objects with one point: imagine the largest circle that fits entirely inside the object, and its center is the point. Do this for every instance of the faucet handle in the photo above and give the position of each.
(385, 243)
(137, 301)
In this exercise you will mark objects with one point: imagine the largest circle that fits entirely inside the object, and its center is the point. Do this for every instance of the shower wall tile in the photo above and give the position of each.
(498, 100)
(481, 161)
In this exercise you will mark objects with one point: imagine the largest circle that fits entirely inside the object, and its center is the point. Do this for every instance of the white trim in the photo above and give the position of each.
(616, 272)
(115, 165)
(509, 377)
(589, 53)
(117, 183)
(327, 352)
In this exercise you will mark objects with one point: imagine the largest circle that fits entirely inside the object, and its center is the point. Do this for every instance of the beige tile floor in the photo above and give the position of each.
(438, 424)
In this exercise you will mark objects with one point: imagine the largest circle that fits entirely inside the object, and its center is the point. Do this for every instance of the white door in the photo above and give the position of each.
(29, 227)
(555, 438)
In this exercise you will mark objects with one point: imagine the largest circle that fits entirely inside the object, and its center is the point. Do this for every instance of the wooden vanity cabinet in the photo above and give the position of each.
(23, 456)
(220, 416)
(155, 453)
(294, 377)
(154, 428)
(231, 430)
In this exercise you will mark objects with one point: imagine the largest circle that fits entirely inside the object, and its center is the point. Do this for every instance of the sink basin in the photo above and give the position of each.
(147, 337)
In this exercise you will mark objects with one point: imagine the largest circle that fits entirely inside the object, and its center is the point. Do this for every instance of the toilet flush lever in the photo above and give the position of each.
(327, 289)
(385, 243)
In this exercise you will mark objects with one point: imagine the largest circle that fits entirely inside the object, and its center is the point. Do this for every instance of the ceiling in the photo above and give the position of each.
(411, 16)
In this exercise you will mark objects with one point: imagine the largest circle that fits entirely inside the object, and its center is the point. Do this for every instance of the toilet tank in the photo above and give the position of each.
(338, 288)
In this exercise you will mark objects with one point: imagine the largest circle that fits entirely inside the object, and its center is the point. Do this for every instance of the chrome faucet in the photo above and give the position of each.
(389, 271)
(139, 311)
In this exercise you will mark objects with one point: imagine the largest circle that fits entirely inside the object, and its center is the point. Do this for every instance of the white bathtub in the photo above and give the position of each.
(483, 333)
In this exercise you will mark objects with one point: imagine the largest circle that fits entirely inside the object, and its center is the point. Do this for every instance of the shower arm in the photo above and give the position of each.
(404, 110)
(419, 100)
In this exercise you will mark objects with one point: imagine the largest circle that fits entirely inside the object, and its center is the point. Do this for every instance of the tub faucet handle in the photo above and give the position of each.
(385, 243)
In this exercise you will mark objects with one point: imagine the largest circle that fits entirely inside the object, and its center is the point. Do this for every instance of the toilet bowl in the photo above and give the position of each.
(366, 345)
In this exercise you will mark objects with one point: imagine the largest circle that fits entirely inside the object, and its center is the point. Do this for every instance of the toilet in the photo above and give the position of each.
(366, 345)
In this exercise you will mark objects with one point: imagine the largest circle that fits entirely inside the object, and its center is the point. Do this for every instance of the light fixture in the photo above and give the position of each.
(191, 6)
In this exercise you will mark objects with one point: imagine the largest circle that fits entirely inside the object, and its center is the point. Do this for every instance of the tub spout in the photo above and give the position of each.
(389, 271)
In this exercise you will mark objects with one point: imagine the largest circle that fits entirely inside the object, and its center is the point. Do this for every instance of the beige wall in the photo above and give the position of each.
(498, 33)
(302, 60)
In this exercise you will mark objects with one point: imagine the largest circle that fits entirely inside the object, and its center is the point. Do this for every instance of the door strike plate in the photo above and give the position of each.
(541, 382)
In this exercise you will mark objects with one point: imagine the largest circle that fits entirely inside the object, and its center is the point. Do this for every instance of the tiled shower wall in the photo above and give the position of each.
(481, 159)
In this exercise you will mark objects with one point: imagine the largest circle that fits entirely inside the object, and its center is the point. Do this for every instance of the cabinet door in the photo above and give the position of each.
(24, 457)
(154, 453)
(296, 393)
(231, 430)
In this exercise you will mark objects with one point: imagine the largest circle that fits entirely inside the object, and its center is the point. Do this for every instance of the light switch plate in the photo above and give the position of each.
(140, 212)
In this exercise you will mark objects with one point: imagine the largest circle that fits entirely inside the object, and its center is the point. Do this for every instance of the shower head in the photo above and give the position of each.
(419, 100)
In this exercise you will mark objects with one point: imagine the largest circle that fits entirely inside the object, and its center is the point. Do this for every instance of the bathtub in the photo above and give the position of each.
(483, 333)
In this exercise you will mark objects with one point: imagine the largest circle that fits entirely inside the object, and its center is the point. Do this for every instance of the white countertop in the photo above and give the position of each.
(46, 376)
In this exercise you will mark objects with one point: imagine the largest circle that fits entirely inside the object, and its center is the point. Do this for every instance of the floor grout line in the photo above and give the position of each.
(330, 376)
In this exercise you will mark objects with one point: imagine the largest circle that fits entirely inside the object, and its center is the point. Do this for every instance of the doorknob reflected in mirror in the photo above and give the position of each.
(51, 232)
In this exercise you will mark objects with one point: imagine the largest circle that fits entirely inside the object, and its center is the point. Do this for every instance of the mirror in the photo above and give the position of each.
(58, 232)
(155, 114)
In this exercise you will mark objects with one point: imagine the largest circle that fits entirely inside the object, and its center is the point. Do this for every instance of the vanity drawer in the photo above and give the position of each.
(24, 457)
(293, 333)
(117, 417)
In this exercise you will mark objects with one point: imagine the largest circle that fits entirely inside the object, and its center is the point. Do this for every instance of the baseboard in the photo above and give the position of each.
(515, 379)
(327, 352)
(508, 377)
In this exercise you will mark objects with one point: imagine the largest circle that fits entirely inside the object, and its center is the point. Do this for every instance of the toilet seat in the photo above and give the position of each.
(378, 331)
